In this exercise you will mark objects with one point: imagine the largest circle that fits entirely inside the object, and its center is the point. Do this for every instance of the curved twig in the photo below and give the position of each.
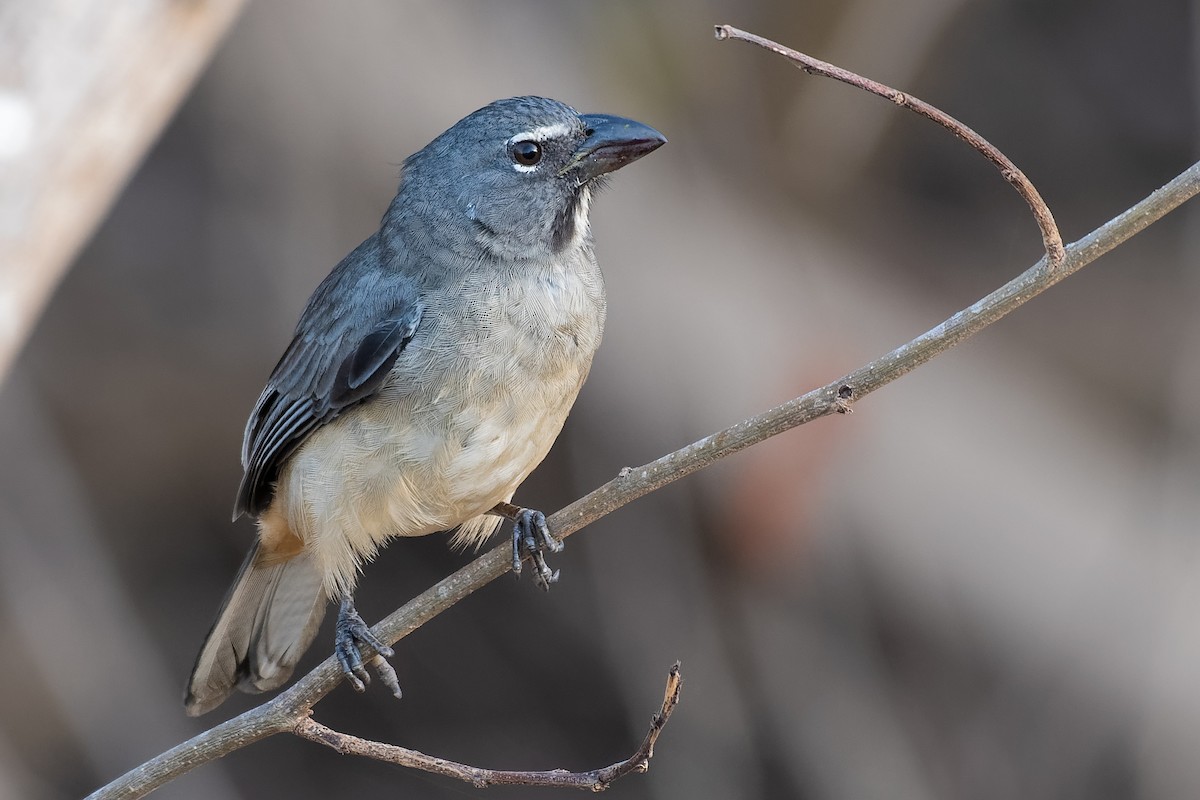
(596, 780)
(1051, 238)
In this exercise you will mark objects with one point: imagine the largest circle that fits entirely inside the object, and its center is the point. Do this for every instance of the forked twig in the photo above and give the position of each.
(1051, 238)
(596, 780)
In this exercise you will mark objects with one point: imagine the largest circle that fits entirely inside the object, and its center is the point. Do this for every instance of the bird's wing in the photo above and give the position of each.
(331, 365)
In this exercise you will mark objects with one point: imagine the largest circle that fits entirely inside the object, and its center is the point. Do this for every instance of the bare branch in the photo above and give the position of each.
(1051, 238)
(286, 711)
(596, 780)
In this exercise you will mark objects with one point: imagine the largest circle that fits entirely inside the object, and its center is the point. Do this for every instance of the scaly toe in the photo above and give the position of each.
(387, 674)
(531, 536)
(352, 636)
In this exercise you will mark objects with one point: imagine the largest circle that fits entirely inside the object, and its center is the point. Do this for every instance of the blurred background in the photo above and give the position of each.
(984, 583)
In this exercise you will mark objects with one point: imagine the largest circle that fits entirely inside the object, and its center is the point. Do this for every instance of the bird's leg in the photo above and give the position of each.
(351, 633)
(530, 537)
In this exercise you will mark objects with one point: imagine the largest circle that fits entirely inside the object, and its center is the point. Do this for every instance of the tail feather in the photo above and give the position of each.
(267, 621)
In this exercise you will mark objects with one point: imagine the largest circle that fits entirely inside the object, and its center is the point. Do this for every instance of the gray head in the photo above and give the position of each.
(517, 174)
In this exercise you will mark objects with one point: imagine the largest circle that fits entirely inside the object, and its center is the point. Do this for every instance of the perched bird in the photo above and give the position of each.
(429, 374)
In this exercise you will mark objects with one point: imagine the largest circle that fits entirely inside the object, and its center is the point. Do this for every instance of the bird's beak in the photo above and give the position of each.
(612, 142)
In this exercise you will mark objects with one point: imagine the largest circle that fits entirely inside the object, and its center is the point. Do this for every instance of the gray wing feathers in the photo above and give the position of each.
(347, 340)
(268, 620)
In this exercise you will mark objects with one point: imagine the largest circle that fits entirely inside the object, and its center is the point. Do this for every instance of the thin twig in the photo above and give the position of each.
(1051, 238)
(284, 712)
(596, 780)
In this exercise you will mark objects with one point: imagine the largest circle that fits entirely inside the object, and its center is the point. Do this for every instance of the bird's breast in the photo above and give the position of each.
(471, 407)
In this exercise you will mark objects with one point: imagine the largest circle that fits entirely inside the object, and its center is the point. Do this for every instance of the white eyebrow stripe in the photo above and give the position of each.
(543, 133)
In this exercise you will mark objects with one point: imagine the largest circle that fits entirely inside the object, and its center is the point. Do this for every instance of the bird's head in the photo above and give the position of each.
(517, 175)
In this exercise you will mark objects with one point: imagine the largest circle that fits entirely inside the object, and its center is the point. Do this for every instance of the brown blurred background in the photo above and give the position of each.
(985, 583)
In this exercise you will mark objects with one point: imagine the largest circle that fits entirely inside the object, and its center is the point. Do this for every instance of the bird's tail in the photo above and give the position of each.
(267, 621)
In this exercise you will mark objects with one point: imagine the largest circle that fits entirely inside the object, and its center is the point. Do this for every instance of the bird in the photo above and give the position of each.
(429, 373)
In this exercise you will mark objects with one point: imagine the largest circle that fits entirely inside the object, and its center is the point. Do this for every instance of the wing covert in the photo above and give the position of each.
(322, 373)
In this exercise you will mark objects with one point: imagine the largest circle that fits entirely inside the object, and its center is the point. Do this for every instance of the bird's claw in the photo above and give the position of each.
(531, 535)
(351, 636)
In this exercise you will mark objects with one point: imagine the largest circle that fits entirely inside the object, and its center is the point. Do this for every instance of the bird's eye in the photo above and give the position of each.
(526, 153)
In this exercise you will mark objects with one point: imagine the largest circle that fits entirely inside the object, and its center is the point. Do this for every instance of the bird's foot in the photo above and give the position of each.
(531, 536)
(351, 634)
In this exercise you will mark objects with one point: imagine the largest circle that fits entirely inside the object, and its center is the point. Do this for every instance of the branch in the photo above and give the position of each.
(1051, 238)
(596, 780)
(285, 712)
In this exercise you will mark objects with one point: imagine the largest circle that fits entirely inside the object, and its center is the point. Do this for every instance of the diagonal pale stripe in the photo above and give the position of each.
(85, 88)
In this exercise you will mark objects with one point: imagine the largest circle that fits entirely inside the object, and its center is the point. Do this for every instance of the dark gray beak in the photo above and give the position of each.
(612, 143)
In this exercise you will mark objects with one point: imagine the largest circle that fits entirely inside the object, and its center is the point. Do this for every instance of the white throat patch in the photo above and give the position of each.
(582, 222)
